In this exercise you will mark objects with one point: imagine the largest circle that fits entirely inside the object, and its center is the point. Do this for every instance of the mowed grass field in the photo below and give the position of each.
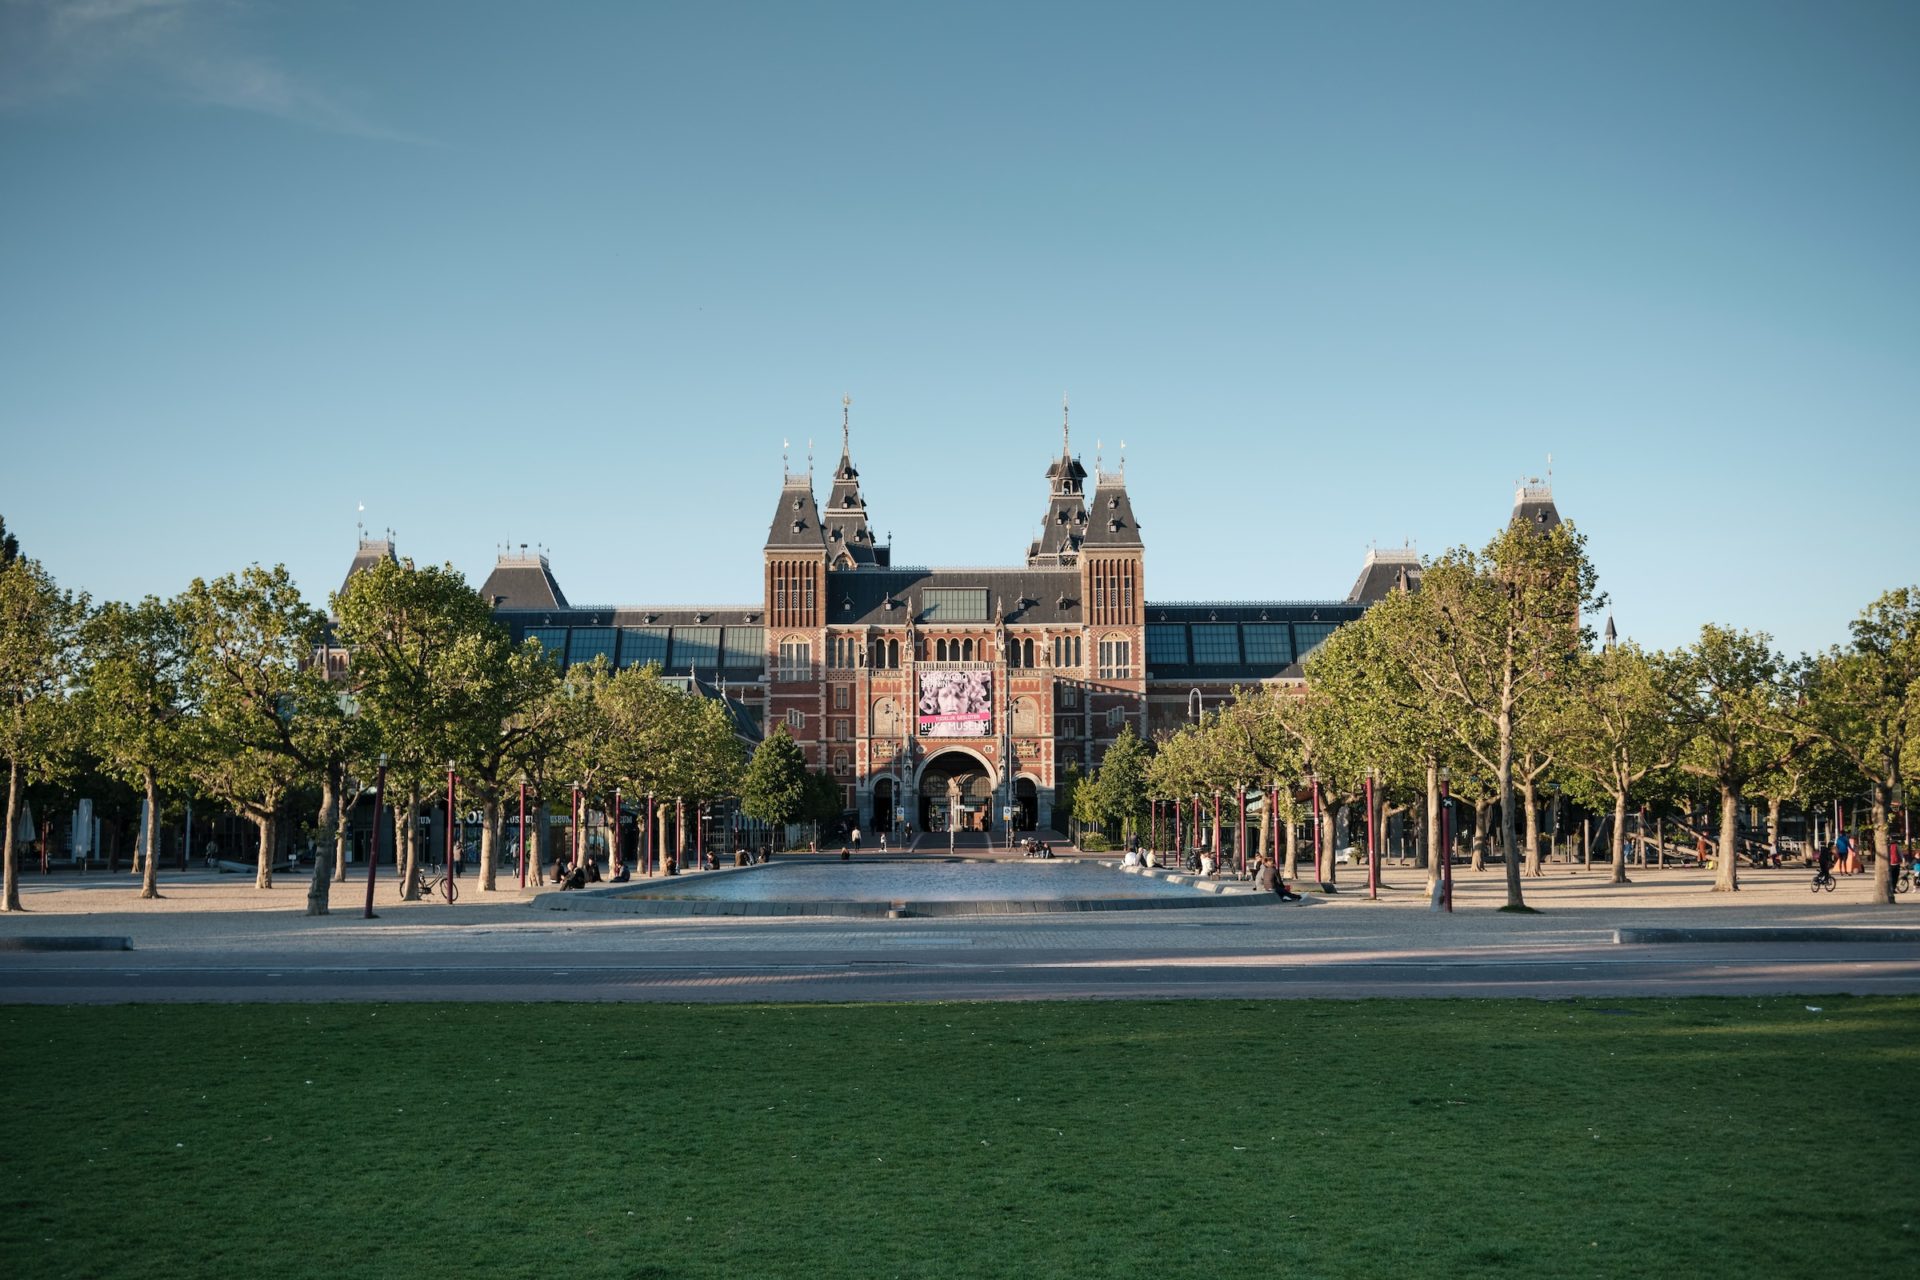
(1417, 1138)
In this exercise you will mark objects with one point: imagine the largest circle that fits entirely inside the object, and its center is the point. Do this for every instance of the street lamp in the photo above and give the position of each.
(523, 831)
(452, 867)
(1446, 839)
(373, 853)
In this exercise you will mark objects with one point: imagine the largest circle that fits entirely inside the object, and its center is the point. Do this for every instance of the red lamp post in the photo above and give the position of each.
(1373, 847)
(1446, 840)
(373, 851)
(523, 832)
(1313, 780)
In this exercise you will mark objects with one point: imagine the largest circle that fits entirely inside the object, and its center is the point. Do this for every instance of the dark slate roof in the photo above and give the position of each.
(522, 581)
(1027, 596)
(745, 727)
(1110, 523)
(634, 615)
(371, 552)
(1533, 506)
(846, 518)
(796, 520)
(1386, 572)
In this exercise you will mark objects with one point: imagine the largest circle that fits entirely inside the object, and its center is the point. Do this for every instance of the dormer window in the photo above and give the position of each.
(797, 504)
(798, 525)
(1113, 526)
(1113, 502)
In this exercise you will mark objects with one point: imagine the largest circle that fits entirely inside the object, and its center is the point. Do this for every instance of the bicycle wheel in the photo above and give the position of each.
(1831, 884)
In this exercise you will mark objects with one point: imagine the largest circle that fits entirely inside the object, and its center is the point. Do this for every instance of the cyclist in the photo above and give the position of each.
(1825, 873)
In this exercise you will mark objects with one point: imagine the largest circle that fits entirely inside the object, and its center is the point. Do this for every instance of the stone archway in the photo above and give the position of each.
(974, 779)
(1026, 804)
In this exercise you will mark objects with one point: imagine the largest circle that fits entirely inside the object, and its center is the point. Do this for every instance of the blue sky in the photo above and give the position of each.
(1336, 274)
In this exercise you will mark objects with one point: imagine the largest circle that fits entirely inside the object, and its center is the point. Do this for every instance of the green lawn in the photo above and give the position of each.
(1621, 1138)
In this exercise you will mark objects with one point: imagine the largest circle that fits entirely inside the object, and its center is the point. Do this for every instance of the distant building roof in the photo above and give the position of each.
(1386, 571)
(371, 552)
(522, 580)
(1533, 505)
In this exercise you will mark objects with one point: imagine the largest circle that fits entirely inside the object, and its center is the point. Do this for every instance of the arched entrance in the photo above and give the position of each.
(956, 776)
(1026, 804)
(882, 805)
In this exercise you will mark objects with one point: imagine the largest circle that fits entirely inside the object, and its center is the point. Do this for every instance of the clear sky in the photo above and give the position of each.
(567, 273)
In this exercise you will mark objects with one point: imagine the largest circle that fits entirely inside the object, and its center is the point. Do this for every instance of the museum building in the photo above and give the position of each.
(939, 696)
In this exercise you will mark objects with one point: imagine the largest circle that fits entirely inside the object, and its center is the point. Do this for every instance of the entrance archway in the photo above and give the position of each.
(938, 780)
(882, 805)
(1026, 804)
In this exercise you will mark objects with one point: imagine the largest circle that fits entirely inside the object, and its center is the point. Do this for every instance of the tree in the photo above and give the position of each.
(1491, 640)
(136, 704)
(269, 720)
(1864, 702)
(774, 787)
(1727, 698)
(9, 545)
(1120, 788)
(39, 652)
(1616, 733)
(426, 666)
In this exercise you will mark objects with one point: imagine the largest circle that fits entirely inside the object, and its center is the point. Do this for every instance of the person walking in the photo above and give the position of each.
(856, 839)
(1843, 854)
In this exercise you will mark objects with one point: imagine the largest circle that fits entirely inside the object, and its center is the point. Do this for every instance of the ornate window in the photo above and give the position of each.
(1116, 658)
(796, 720)
(840, 697)
(796, 660)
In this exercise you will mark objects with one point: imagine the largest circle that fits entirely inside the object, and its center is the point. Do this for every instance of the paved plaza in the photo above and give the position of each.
(216, 937)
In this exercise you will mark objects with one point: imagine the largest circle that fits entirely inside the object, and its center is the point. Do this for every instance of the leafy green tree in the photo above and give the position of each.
(268, 719)
(1121, 789)
(1863, 701)
(1728, 699)
(1616, 734)
(1491, 642)
(135, 696)
(39, 654)
(774, 788)
(426, 670)
(9, 545)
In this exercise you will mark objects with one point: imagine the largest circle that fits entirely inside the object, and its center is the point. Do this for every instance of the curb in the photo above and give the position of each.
(1784, 933)
(70, 943)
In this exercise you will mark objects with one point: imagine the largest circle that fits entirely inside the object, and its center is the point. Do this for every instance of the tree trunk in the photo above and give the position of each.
(266, 821)
(489, 841)
(536, 842)
(150, 865)
(1329, 833)
(1727, 878)
(1293, 850)
(1482, 825)
(1882, 835)
(1532, 825)
(1264, 840)
(9, 848)
(1509, 840)
(1620, 838)
(1774, 806)
(1435, 832)
(407, 846)
(331, 783)
(344, 837)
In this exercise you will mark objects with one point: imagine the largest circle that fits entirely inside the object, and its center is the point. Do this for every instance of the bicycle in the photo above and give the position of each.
(1903, 881)
(1823, 880)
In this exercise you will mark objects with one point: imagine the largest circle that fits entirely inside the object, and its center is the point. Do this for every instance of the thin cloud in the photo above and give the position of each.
(187, 50)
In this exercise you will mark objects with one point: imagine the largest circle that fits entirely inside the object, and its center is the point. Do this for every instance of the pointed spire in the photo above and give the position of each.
(1613, 637)
(846, 410)
(1066, 436)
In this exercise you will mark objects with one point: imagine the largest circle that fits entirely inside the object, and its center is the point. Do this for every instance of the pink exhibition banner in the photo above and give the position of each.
(956, 704)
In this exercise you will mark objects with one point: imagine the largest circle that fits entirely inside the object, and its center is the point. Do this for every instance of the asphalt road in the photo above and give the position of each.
(940, 973)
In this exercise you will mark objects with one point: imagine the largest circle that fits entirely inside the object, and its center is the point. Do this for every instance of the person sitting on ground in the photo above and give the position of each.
(622, 874)
(593, 871)
(559, 870)
(574, 879)
(1132, 859)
